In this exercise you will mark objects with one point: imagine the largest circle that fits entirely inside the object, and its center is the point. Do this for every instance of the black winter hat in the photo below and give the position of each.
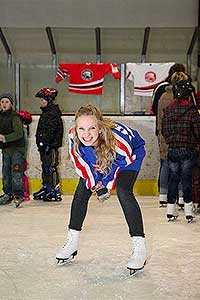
(8, 96)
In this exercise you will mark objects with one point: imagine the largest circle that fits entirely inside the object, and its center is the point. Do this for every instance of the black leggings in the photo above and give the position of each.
(124, 187)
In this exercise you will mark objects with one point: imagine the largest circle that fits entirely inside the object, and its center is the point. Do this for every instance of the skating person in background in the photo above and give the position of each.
(106, 155)
(166, 98)
(26, 119)
(49, 137)
(158, 92)
(181, 130)
(160, 89)
(12, 144)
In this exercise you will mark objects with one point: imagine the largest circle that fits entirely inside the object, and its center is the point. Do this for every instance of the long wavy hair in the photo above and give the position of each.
(105, 149)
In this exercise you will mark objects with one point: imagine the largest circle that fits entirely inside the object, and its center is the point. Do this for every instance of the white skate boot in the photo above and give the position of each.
(138, 258)
(163, 200)
(180, 203)
(70, 249)
(188, 212)
(171, 212)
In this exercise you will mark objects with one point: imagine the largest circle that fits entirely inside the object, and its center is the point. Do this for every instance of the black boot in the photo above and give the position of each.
(6, 199)
(53, 195)
(41, 194)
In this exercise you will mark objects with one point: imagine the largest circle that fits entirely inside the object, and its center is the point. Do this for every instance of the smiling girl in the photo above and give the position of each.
(106, 155)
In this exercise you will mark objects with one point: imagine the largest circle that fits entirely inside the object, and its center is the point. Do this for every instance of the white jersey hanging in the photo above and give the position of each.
(147, 76)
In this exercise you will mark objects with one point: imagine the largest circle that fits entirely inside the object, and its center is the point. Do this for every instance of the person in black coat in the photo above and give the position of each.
(49, 135)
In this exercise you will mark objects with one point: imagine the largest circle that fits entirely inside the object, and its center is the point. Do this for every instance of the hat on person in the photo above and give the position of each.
(8, 96)
(49, 94)
(182, 89)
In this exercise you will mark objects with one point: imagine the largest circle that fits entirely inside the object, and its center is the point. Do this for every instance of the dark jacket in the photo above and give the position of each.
(50, 127)
(12, 129)
(181, 125)
(159, 90)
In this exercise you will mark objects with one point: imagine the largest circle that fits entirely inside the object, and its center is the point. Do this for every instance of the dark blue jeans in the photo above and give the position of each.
(181, 163)
(164, 179)
(164, 176)
(13, 171)
(129, 204)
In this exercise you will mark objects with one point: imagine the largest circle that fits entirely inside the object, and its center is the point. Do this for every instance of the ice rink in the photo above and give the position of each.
(31, 235)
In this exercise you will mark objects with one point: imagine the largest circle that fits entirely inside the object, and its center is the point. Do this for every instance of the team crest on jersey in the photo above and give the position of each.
(150, 76)
(87, 75)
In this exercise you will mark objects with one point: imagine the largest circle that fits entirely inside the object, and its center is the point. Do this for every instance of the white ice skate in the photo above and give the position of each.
(70, 249)
(188, 212)
(180, 203)
(163, 200)
(171, 212)
(137, 260)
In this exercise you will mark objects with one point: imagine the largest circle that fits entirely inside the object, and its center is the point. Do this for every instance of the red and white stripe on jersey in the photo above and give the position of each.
(124, 149)
(112, 183)
(81, 167)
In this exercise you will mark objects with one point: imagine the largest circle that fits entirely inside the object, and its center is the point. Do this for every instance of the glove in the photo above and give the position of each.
(102, 194)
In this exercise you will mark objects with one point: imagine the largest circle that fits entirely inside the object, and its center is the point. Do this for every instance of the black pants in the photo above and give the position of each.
(130, 206)
(49, 168)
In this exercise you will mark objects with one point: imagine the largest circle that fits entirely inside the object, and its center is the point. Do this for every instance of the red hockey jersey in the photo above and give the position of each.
(86, 78)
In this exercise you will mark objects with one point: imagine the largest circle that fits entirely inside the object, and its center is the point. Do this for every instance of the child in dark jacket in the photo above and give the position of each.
(12, 144)
(49, 137)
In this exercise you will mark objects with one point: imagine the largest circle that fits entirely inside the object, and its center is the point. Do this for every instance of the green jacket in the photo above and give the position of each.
(12, 129)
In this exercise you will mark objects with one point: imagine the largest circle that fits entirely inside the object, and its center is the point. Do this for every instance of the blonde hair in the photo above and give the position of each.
(177, 76)
(105, 150)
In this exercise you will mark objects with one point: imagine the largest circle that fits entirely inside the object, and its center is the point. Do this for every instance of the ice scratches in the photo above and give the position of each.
(99, 272)
(8, 286)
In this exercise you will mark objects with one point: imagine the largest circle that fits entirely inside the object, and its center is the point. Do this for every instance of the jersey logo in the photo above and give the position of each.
(150, 76)
(87, 75)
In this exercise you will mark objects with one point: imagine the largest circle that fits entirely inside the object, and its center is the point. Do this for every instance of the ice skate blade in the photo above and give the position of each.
(171, 218)
(52, 200)
(136, 271)
(162, 204)
(189, 219)
(64, 261)
(133, 272)
(17, 203)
